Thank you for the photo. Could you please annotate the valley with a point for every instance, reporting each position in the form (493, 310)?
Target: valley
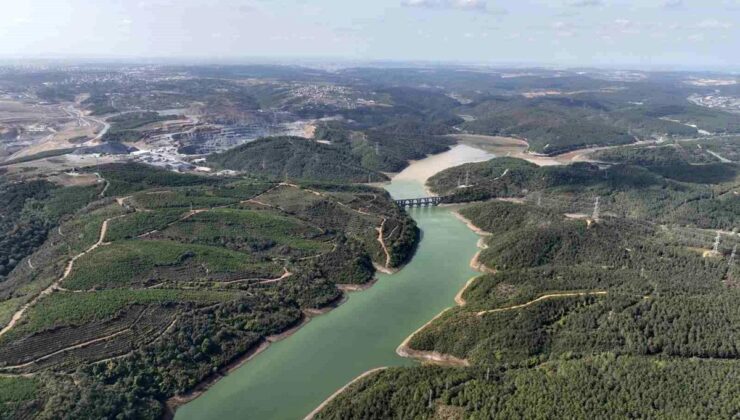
(365, 330)
(607, 294)
(205, 242)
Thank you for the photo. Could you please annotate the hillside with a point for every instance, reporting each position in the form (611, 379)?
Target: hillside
(126, 127)
(550, 126)
(581, 303)
(670, 191)
(600, 387)
(610, 116)
(183, 271)
(295, 158)
(132, 278)
(390, 146)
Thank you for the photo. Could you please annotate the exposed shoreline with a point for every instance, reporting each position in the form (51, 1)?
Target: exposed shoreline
(348, 287)
(505, 146)
(459, 296)
(459, 154)
(519, 148)
(478, 265)
(403, 349)
(326, 402)
(470, 225)
(173, 403)
(384, 270)
(435, 357)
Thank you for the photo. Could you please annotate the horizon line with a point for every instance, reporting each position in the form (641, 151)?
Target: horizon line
(348, 62)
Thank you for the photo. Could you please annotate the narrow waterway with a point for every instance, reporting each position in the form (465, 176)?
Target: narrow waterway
(295, 375)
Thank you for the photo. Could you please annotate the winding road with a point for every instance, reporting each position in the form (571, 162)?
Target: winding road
(540, 299)
(56, 285)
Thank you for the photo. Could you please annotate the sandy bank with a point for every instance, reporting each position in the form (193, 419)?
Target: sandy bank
(518, 148)
(357, 287)
(459, 296)
(470, 225)
(422, 170)
(506, 146)
(384, 270)
(477, 265)
(498, 145)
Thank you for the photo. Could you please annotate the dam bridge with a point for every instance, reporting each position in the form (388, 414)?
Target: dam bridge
(419, 202)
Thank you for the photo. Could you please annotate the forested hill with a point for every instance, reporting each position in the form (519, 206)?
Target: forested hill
(155, 281)
(609, 293)
(646, 182)
(295, 158)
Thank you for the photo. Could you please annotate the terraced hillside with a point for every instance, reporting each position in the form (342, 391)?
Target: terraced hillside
(141, 296)
(609, 291)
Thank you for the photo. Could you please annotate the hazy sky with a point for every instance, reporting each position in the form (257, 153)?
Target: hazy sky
(697, 33)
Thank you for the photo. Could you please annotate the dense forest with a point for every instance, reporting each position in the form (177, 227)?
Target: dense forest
(550, 126)
(605, 386)
(390, 147)
(609, 286)
(296, 158)
(579, 115)
(589, 308)
(31, 209)
(199, 271)
(666, 189)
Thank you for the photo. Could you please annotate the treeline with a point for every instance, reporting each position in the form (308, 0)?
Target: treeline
(125, 178)
(698, 196)
(589, 325)
(550, 125)
(286, 158)
(607, 386)
(31, 209)
(389, 146)
(686, 163)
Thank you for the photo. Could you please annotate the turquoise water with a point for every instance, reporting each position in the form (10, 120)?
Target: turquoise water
(293, 376)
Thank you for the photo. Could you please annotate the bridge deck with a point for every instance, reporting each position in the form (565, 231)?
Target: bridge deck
(419, 202)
